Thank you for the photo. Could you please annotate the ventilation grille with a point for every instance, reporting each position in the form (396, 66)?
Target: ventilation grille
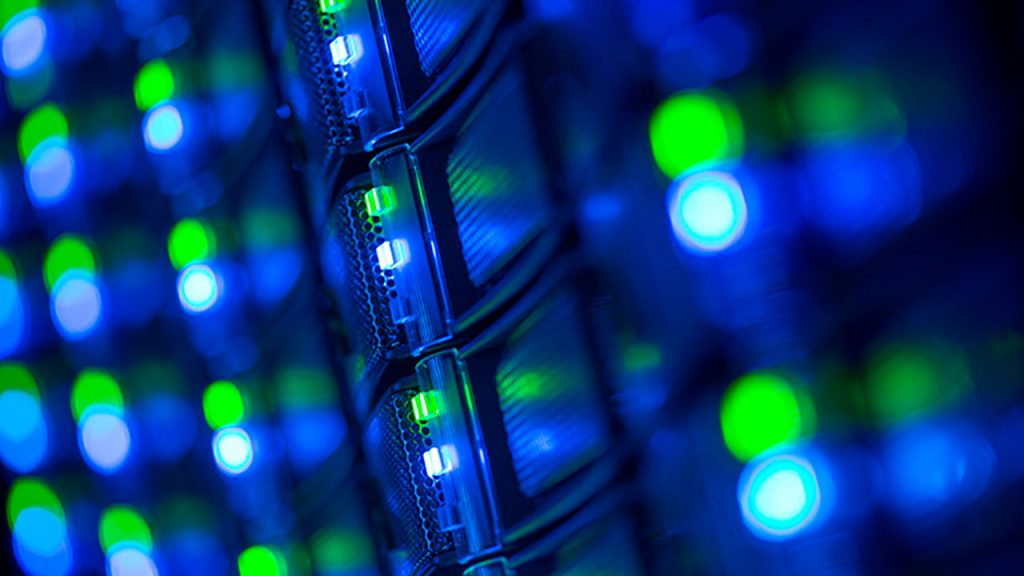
(397, 443)
(438, 26)
(325, 84)
(549, 403)
(369, 289)
(496, 180)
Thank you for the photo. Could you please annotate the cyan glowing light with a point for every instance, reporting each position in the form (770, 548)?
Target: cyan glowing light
(163, 128)
(346, 49)
(392, 254)
(104, 440)
(49, 172)
(23, 435)
(12, 316)
(708, 211)
(232, 449)
(779, 496)
(24, 40)
(41, 542)
(131, 562)
(439, 461)
(198, 288)
(76, 305)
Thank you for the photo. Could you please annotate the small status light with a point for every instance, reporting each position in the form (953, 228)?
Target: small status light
(261, 561)
(131, 562)
(105, 441)
(198, 288)
(163, 128)
(346, 49)
(76, 305)
(392, 254)
(332, 6)
(708, 211)
(232, 449)
(24, 41)
(426, 405)
(379, 200)
(439, 461)
(49, 172)
(779, 496)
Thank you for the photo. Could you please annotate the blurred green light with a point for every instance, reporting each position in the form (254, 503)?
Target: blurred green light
(335, 551)
(332, 6)
(223, 405)
(153, 84)
(44, 122)
(17, 377)
(190, 241)
(11, 8)
(761, 410)
(824, 106)
(95, 388)
(7, 269)
(123, 526)
(691, 130)
(69, 252)
(261, 561)
(904, 380)
(426, 405)
(29, 492)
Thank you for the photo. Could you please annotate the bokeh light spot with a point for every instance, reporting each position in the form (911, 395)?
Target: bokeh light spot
(232, 449)
(49, 173)
(23, 43)
(762, 410)
(694, 129)
(708, 211)
(198, 288)
(105, 440)
(190, 240)
(76, 305)
(153, 84)
(779, 496)
(223, 405)
(261, 561)
(163, 128)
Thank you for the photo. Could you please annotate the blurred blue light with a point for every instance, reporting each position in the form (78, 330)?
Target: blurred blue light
(232, 449)
(130, 562)
(163, 128)
(312, 434)
(49, 172)
(105, 441)
(198, 288)
(162, 412)
(41, 543)
(12, 317)
(76, 305)
(24, 40)
(931, 467)
(23, 435)
(779, 496)
(708, 211)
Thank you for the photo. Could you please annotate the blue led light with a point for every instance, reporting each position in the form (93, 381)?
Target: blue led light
(130, 562)
(232, 449)
(198, 288)
(163, 128)
(41, 543)
(49, 172)
(779, 496)
(76, 305)
(12, 317)
(23, 435)
(708, 211)
(24, 41)
(104, 440)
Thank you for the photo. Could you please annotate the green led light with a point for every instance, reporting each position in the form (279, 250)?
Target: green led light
(69, 252)
(153, 84)
(261, 561)
(7, 269)
(17, 377)
(95, 388)
(692, 130)
(223, 405)
(335, 551)
(299, 388)
(122, 525)
(379, 200)
(426, 405)
(904, 380)
(760, 411)
(31, 493)
(41, 124)
(332, 6)
(190, 240)
(11, 8)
